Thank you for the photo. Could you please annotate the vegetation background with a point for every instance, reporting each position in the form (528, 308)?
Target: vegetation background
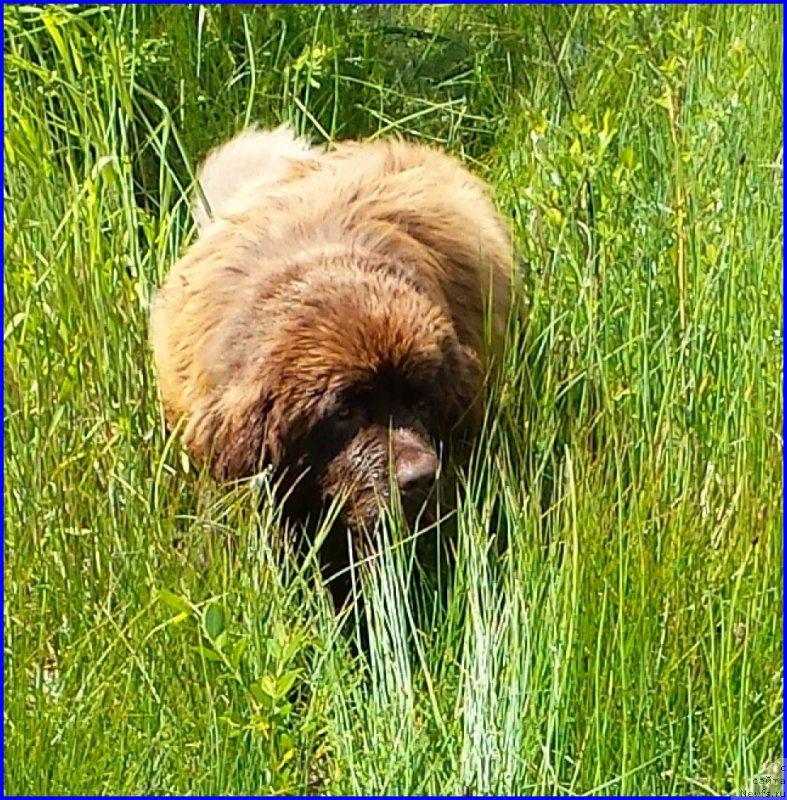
(628, 636)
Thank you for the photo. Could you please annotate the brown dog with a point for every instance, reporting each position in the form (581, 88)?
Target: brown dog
(330, 319)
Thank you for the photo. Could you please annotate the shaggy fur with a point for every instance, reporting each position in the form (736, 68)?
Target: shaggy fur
(330, 319)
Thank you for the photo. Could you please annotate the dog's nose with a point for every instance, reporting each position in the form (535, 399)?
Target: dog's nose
(416, 470)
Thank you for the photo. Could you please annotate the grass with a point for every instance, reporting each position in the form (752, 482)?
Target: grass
(614, 622)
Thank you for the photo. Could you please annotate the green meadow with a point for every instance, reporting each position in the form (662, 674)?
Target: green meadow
(613, 620)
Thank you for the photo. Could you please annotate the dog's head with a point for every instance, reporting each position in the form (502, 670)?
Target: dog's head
(358, 387)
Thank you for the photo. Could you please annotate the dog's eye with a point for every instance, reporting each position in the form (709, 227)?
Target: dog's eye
(344, 413)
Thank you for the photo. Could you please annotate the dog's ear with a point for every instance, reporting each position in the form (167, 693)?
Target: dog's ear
(248, 440)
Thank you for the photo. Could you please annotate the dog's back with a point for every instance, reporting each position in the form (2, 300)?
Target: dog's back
(400, 200)
(253, 157)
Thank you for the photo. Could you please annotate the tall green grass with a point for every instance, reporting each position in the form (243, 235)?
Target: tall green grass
(613, 621)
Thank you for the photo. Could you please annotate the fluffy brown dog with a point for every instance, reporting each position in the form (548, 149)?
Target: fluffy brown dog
(330, 319)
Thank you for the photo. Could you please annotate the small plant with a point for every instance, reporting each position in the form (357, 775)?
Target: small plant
(258, 693)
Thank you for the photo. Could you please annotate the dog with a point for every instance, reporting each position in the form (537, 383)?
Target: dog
(335, 320)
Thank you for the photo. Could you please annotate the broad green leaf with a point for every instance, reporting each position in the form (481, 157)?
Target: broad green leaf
(213, 620)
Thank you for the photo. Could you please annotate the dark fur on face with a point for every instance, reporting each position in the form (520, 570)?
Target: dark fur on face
(330, 320)
(353, 396)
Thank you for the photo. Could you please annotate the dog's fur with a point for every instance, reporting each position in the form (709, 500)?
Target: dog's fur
(331, 315)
